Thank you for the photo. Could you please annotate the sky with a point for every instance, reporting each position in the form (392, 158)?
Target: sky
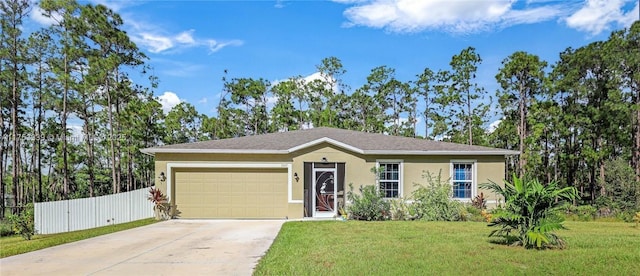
(191, 43)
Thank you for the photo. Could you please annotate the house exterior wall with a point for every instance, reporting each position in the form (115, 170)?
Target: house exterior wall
(357, 169)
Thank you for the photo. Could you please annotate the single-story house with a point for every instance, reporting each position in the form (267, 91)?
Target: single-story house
(306, 173)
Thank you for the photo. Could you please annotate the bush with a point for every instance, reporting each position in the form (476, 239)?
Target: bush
(368, 205)
(161, 206)
(401, 209)
(6, 229)
(23, 223)
(585, 212)
(530, 212)
(471, 213)
(433, 202)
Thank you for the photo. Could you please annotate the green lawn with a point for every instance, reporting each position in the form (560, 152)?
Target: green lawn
(14, 245)
(445, 248)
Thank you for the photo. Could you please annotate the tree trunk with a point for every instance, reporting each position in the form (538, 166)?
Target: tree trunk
(2, 154)
(38, 130)
(2, 147)
(15, 164)
(114, 179)
(469, 123)
(88, 138)
(522, 129)
(636, 152)
(63, 123)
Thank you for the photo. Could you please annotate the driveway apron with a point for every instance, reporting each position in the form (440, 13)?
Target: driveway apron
(175, 247)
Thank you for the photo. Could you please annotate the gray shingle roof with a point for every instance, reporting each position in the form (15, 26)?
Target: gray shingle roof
(361, 142)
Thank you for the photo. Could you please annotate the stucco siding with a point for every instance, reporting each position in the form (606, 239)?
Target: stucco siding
(357, 172)
(357, 169)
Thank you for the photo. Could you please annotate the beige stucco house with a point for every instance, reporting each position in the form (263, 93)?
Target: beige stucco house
(306, 173)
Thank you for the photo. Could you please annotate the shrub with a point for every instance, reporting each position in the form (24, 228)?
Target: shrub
(433, 202)
(23, 223)
(368, 205)
(472, 213)
(586, 212)
(479, 202)
(6, 228)
(401, 209)
(530, 211)
(161, 205)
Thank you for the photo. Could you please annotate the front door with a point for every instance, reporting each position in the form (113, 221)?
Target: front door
(324, 193)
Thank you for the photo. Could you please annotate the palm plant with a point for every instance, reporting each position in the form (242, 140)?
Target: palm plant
(530, 212)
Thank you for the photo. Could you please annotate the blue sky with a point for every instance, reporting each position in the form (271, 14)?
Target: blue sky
(191, 43)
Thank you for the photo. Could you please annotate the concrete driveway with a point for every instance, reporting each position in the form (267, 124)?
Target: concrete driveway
(175, 247)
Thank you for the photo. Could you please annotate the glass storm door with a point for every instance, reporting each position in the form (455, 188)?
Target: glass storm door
(324, 190)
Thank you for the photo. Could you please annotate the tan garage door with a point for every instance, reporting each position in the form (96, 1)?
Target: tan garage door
(231, 193)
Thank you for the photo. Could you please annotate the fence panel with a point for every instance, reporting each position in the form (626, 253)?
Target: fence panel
(84, 213)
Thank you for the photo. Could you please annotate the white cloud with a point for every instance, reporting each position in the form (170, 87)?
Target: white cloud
(77, 133)
(597, 16)
(186, 37)
(413, 16)
(533, 15)
(155, 43)
(215, 46)
(493, 126)
(168, 100)
(631, 16)
(156, 38)
(113, 5)
(279, 4)
(36, 15)
(203, 100)
(471, 16)
(317, 76)
(350, 1)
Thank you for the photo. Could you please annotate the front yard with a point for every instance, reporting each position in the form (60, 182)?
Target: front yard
(435, 248)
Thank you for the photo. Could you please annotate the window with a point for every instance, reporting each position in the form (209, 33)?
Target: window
(389, 179)
(462, 180)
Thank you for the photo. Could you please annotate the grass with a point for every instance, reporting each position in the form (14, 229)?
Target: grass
(15, 245)
(445, 248)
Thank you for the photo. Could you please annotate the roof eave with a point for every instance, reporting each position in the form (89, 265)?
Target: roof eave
(440, 152)
(153, 151)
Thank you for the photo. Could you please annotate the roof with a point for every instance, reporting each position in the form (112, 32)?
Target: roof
(355, 141)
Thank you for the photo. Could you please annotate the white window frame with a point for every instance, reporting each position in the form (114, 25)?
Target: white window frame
(474, 177)
(400, 163)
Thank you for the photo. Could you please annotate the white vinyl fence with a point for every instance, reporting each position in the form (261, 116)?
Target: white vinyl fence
(84, 213)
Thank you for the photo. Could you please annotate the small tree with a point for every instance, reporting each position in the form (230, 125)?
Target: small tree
(530, 211)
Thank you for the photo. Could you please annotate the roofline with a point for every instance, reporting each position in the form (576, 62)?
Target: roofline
(441, 152)
(326, 140)
(153, 151)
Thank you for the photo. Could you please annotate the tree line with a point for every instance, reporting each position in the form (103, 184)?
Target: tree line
(576, 121)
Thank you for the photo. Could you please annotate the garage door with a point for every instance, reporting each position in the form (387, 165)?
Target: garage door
(231, 193)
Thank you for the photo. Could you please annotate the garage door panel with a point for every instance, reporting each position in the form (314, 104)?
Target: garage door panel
(231, 193)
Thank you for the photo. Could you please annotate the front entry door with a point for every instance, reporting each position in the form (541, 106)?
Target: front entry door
(324, 190)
